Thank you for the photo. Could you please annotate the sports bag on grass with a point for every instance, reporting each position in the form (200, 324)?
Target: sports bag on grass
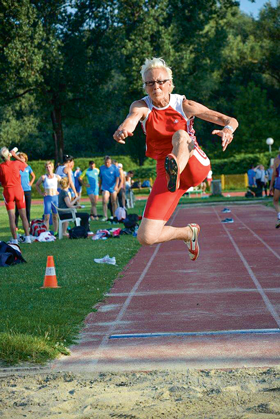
(10, 254)
(78, 232)
(37, 227)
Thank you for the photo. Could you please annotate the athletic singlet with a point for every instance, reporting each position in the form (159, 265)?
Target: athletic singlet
(10, 173)
(161, 123)
(50, 183)
(60, 171)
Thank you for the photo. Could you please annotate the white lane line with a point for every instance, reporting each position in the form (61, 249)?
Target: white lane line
(119, 317)
(190, 291)
(265, 298)
(258, 237)
(190, 334)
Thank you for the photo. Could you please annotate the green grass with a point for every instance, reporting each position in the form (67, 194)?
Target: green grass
(38, 324)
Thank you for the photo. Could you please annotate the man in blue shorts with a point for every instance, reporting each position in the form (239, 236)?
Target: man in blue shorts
(109, 180)
(92, 186)
(251, 176)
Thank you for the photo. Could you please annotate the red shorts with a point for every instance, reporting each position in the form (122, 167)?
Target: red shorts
(161, 203)
(12, 196)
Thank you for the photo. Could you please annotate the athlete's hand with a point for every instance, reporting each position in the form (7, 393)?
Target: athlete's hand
(121, 134)
(227, 137)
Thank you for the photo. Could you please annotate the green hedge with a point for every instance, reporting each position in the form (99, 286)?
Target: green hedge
(240, 163)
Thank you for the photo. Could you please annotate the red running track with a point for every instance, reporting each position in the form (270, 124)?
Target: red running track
(169, 312)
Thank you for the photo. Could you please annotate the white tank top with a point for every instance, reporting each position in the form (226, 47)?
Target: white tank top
(50, 183)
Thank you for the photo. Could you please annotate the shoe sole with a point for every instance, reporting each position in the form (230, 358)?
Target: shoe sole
(172, 173)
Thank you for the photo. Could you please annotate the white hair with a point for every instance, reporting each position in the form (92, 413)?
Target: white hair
(156, 63)
(5, 154)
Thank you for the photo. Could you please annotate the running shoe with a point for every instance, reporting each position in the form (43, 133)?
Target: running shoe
(27, 240)
(228, 221)
(226, 210)
(172, 173)
(193, 243)
(277, 224)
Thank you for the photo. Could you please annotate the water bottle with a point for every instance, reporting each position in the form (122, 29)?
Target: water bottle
(15, 149)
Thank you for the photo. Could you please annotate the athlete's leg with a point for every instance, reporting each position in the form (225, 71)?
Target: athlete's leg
(161, 204)
(20, 202)
(25, 224)
(105, 200)
(177, 160)
(114, 202)
(28, 204)
(48, 209)
(55, 222)
(16, 217)
(155, 231)
(276, 197)
(183, 145)
(121, 198)
(47, 221)
(12, 222)
(93, 201)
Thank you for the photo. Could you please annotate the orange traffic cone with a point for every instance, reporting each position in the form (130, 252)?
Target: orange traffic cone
(50, 280)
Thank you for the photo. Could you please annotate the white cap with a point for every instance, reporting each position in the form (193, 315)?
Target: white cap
(120, 166)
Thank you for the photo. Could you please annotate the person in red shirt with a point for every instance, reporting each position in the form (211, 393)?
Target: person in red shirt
(167, 120)
(13, 193)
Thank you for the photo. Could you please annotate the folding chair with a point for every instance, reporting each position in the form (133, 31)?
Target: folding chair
(74, 218)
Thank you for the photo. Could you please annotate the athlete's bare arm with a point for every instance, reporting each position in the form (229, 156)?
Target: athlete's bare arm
(138, 110)
(198, 110)
(15, 156)
(38, 183)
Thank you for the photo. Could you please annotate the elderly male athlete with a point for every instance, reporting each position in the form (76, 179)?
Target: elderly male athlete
(167, 120)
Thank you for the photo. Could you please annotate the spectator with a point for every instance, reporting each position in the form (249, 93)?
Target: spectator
(92, 187)
(77, 181)
(50, 183)
(64, 202)
(260, 178)
(13, 193)
(66, 170)
(26, 184)
(269, 177)
(122, 186)
(203, 186)
(129, 180)
(251, 176)
(109, 180)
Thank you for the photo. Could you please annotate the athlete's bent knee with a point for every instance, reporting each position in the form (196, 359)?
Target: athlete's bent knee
(181, 137)
(145, 239)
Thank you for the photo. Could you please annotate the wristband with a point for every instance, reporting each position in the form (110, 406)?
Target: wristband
(230, 128)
